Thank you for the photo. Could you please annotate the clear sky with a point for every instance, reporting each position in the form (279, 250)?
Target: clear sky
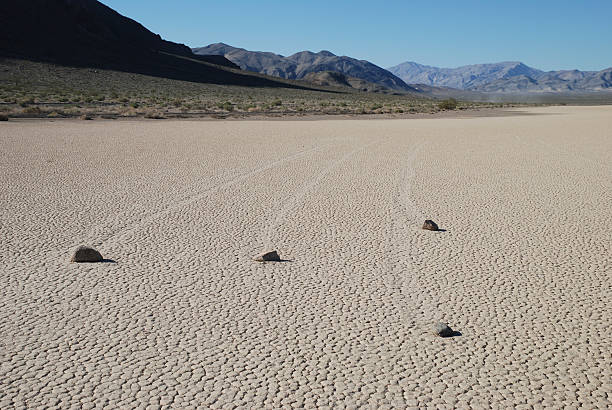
(545, 34)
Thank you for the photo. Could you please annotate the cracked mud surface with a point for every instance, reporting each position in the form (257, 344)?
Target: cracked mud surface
(183, 316)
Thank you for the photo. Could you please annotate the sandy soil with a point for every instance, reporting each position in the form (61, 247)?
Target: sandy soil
(181, 316)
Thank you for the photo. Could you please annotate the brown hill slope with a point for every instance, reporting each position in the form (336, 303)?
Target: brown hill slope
(336, 79)
(301, 64)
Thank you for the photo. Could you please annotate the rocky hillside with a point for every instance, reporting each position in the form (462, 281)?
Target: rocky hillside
(336, 79)
(86, 33)
(504, 77)
(298, 65)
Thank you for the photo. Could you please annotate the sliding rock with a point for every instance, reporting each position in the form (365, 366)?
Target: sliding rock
(430, 225)
(443, 330)
(269, 256)
(86, 254)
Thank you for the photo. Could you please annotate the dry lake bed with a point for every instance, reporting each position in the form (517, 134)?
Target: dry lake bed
(180, 315)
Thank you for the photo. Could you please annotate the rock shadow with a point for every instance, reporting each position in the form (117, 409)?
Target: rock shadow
(454, 334)
(280, 261)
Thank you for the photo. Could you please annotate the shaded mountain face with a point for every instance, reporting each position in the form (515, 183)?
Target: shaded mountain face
(75, 30)
(503, 77)
(301, 64)
(87, 33)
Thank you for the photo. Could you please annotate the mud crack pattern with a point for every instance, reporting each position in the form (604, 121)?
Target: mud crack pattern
(183, 317)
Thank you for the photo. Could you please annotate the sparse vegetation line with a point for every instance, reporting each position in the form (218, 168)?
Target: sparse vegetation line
(41, 90)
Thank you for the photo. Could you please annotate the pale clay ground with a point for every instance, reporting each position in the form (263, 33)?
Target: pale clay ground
(185, 317)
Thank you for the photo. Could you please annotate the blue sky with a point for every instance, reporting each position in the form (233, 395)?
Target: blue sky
(544, 34)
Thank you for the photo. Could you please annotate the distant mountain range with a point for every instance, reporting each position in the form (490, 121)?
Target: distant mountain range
(505, 77)
(299, 65)
(87, 33)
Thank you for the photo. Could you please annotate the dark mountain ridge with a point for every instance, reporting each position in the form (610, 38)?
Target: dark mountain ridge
(86, 33)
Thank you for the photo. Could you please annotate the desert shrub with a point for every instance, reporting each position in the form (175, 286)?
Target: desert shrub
(276, 103)
(154, 115)
(375, 107)
(4, 117)
(227, 106)
(448, 104)
(32, 110)
(26, 101)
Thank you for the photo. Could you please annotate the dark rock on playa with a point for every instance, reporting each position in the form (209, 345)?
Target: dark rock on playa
(443, 330)
(270, 256)
(430, 225)
(86, 254)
